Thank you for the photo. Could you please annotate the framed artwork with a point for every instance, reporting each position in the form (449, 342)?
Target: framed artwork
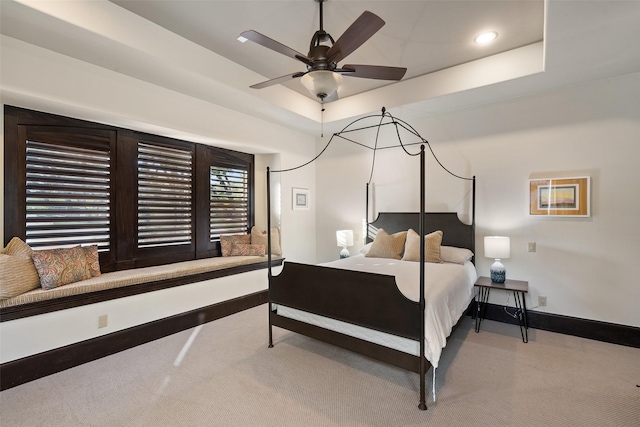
(300, 199)
(560, 196)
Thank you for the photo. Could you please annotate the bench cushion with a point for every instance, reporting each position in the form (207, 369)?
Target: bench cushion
(132, 277)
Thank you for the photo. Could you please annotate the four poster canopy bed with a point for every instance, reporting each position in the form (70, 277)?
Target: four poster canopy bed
(396, 302)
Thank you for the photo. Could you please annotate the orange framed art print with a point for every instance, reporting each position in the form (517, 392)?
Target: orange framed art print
(560, 196)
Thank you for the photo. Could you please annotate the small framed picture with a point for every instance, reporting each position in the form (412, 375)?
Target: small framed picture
(560, 196)
(300, 199)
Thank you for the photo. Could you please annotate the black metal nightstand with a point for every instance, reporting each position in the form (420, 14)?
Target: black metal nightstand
(518, 287)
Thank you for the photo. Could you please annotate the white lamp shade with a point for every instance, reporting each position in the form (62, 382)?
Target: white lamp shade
(497, 247)
(344, 238)
(321, 83)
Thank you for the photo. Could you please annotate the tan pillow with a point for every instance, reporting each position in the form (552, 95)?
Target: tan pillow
(227, 241)
(432, 242)
(17, 272)
(387, 246)
(259, 237)
(16, 247)
(17, 276)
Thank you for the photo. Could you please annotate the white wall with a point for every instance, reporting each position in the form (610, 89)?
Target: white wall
(585, 266)
(42, 80)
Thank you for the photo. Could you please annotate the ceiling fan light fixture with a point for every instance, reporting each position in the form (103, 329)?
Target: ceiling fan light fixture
(321, 83)
(485, 38)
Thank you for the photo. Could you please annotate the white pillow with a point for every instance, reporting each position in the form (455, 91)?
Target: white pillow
(365, 249)
(455, 255)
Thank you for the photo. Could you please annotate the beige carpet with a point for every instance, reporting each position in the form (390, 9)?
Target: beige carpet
(223, 374)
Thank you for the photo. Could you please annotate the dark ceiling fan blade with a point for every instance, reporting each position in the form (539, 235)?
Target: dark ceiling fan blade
(379, 72)
(359, 32)
(269, 43)
(278, 80)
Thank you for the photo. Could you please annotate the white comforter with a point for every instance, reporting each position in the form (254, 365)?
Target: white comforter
(448, 292)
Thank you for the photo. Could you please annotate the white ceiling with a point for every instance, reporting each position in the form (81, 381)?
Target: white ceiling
(422, 36)
(191, 47)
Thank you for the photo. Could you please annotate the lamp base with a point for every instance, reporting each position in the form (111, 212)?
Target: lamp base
(344, 253)
(498, 272)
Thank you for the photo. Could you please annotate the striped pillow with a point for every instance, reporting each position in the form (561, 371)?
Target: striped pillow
(17, 272)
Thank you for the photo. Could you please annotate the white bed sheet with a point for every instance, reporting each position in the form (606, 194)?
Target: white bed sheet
(448, 292)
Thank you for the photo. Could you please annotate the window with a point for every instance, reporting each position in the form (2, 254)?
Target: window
(229, 201)
(143, 199)
(67, 194)
(164, 196)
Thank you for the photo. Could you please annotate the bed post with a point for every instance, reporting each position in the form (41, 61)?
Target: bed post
(269, 253)
(423, 400)
(473, 215)
(366, 216)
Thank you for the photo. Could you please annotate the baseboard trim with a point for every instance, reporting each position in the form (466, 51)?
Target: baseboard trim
(585, 328)
(40, 365)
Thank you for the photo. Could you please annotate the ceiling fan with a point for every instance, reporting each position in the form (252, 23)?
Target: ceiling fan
(323, 76)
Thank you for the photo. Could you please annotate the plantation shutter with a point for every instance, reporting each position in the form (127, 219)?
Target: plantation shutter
(164, 195)
(229, 200)
(67, 191)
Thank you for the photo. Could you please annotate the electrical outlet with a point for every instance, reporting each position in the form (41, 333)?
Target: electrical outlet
(532, 246)
(102, 321)
(542, 300)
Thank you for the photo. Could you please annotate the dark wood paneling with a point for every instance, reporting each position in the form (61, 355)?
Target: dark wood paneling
(41, 307)
(455, 232)
(124, 251)
(374, 351)
(364, 299)
(40, 365)
(126, 191)
(12, 224)
(585, 328)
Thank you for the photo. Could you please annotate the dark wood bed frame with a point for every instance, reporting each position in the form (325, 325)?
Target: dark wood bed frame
(366, 299)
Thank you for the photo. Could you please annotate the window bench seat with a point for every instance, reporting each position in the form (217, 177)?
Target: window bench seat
(124, 283)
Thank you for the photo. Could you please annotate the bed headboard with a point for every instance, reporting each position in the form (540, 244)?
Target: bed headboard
(454, 232)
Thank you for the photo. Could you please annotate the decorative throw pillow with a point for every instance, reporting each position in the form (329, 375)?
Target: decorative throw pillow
(17, 272)
(241, 249)
(16, 247)
(17, 276)
(259, 237)
(227, 241)
(432, 242)
(92, 261)
(57, 267)
(455, 255)
(387, 246)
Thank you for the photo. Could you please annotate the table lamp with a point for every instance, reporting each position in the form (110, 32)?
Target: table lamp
(344, 238)
(497, 247)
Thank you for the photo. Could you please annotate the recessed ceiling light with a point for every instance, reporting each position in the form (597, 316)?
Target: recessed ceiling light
(242, 39)
(486, 37)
